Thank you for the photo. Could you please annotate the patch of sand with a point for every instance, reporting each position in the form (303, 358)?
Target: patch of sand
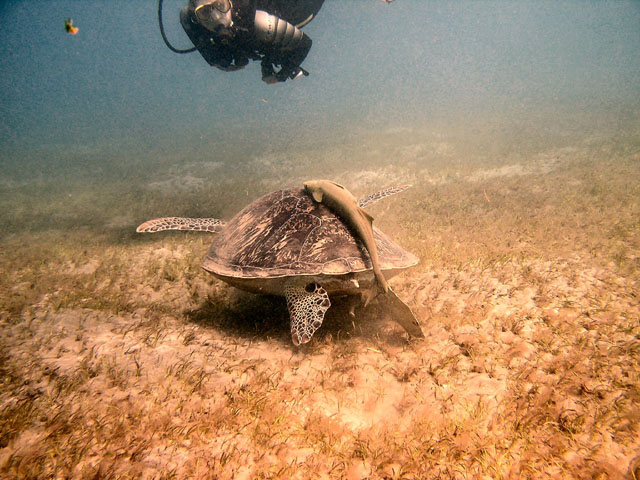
(129, 361)
(184, 391)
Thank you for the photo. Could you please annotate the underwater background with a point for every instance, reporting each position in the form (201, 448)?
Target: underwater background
(113, 109)
(517, 124)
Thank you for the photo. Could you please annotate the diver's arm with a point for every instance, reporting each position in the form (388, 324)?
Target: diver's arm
(284, 43)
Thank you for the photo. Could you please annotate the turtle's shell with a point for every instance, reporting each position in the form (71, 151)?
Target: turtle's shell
(285, 234)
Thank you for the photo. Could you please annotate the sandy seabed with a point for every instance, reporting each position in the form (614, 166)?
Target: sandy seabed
(125, 360)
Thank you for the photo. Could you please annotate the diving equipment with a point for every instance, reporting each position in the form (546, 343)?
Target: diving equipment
(276, 32)
(214, 15)
(164, 35)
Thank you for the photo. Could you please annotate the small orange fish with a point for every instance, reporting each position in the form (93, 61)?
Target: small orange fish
(68, 26)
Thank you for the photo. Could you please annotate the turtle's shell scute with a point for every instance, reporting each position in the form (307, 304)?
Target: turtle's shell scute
(286, 233)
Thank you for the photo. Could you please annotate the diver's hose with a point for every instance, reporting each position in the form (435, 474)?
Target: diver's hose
(164, 37)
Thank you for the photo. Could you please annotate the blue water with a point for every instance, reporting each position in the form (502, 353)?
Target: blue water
(114, 94)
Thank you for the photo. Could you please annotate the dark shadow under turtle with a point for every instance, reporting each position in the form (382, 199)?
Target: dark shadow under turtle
(286, 244)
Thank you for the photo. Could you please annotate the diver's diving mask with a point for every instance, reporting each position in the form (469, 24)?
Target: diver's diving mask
(214, 15)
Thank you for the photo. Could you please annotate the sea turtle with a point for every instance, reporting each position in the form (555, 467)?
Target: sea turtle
(286, 244)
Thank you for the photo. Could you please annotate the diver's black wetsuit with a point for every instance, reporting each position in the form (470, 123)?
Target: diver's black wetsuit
(259, 32)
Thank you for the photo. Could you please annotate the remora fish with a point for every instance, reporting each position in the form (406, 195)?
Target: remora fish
(344, 204)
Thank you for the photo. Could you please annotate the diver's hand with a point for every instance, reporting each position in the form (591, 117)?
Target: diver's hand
(282, 76)
(270, 79)
(275, 78)
(288, 73)
(269, 75)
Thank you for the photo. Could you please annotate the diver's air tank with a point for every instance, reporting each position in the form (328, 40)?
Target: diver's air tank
(276, 32)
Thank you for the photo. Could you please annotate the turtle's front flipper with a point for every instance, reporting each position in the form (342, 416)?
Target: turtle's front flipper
(181, 223)
(374, 197)
(307, 306)
(401, 313)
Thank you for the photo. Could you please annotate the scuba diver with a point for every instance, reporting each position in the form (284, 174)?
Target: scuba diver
(229, 33)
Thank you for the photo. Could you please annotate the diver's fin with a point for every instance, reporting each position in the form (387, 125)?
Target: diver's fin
(401, 313)
(181, 223)
(374, 197)
(307, 306)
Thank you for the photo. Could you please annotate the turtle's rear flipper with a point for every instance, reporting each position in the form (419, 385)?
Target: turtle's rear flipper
(181, 223)
(401, 313)
(307, 306)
